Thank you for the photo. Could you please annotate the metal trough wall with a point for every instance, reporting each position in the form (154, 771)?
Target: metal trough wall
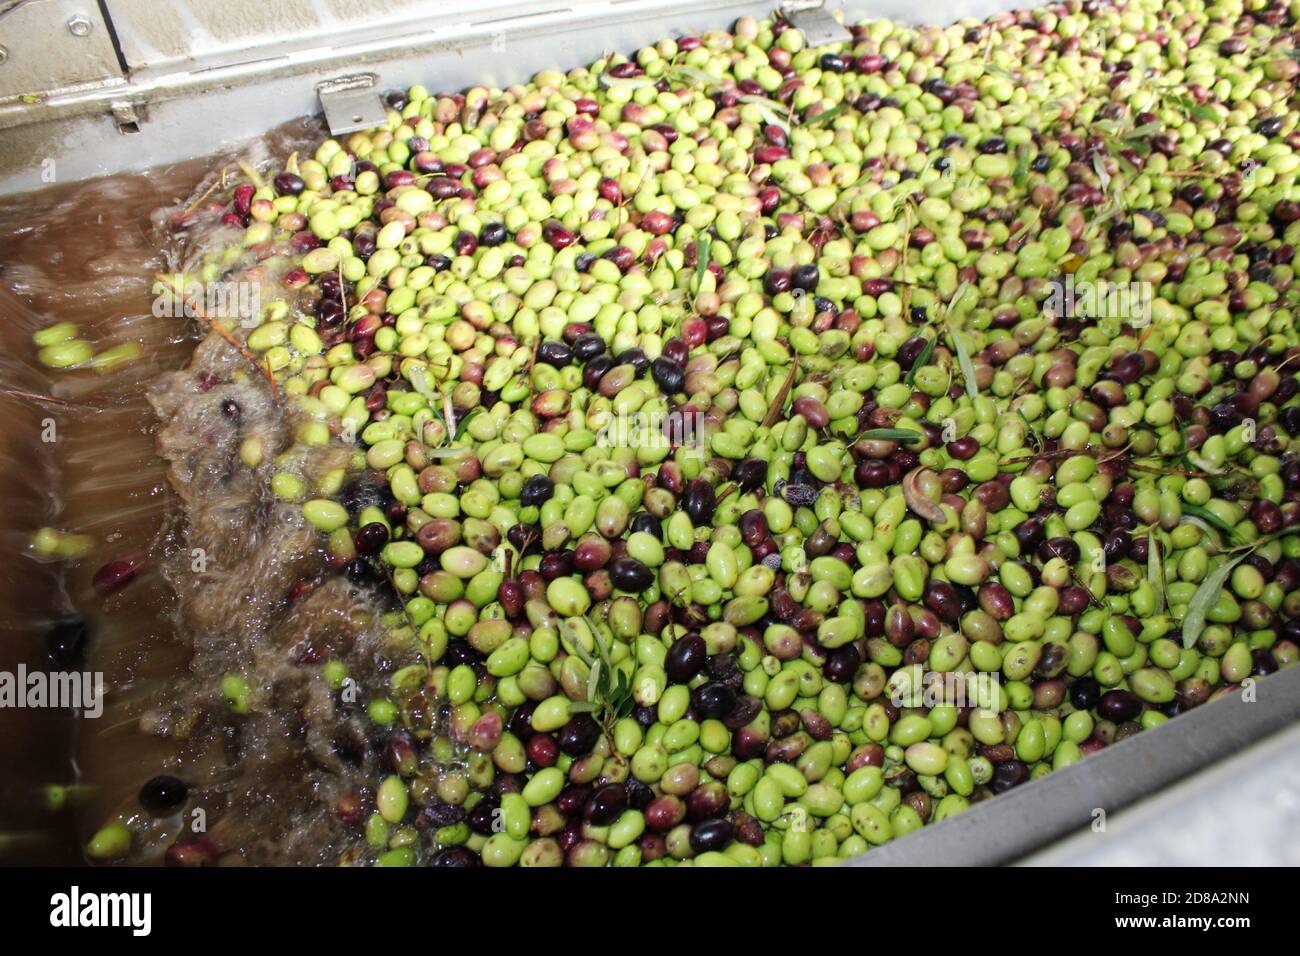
(154, 83)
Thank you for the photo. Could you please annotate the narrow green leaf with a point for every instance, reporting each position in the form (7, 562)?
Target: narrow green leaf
(593, 683)
(921, 359)
(1204, 598)
(1021, 175)
(1156, 571)
(460, 426)
(582, 707)
(703, 245)
(768, 111)
(1213, 520)
(627, 82)
(420, 382)
(963, 360)
(698, 76)
(903, 436)
(821, 119)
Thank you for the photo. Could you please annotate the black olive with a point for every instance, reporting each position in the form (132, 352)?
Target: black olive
(554, 353)
(629, 574)
(749, 474)
(579, 735)
(65, 642)
(595, 370)
(745, 710)
(634, 357)
(842, 664)
(455, 856)
(587, 346)
(805, 277)
(669, 376)
(443, 814)
(537, 491)
(713, 700)
(711, 835)
(163, 794)
(484, 815)
(685, 658)
(606, 804)
(493, 234)
(1010, 774)
(639, 795)
(370, 538)
(1118, 706)
(287, 184)
(1269, 126)
(644, 521)
(699, 501)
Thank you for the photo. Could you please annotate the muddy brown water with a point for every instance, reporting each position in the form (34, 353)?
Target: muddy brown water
(78, 451)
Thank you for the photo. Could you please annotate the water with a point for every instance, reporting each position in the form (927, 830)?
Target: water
(79, 452)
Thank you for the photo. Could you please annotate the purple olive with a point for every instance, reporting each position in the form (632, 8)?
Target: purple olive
(686, 658)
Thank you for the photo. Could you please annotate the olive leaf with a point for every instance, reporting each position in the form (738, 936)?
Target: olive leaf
(703, 245)
(460, 426)
(821, 119)
(1099, 167)
(1205, 597)
(1213, 520)
(420, 382)
(924, 356)
(767, 111)
(1156, 571)
(903, 436)
(963, 360)
(608, 82)
(1021, 174)
(698, 76)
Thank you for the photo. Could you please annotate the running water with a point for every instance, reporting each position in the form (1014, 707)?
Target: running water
(80, 453)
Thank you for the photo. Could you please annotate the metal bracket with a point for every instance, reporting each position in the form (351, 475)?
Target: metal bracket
(351, 103)
(127, 115)
(815, 22)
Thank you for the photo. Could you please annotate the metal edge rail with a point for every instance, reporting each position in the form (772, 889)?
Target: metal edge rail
(1014, 824)
(151, 116)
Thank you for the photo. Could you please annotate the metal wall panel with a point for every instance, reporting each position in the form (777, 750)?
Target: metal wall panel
(48, 45)
(208, 74)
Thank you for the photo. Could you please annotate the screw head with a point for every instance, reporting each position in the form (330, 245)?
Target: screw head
(79, 26)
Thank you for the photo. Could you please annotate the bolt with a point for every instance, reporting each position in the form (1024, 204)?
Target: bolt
(79, 26)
